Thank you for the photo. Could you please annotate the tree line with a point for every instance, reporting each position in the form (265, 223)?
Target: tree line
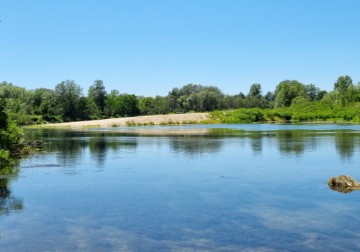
(66, 102)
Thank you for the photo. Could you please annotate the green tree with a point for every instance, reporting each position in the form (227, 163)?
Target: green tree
(44, 104)
(329, 99)
(311, 92)
(286, 91)
(68, 95)
(87, 109)
(3, 115)
(128, 105)
(18, 99)
(254, 99)
(111, 103)
(10, 136)
(121, 104)
(353, 93)
(342, 84)
(231, 102)
(193, 97)
(255, 102)
(161, 105)
(173, 96)
(185, 99)
(321, 94)
(210, 99)
(146, 105)
(255, 90)
(98, 93)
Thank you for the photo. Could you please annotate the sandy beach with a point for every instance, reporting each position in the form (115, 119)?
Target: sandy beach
(138, 120)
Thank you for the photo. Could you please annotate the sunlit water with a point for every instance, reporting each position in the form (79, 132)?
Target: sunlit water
(217, 188)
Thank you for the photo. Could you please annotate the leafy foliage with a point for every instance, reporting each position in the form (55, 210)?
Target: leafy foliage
(342, 85)
(286, 91)
(67, 98)
(121, 105)
(291, 100)
(301, 110)
(98, 94)
(10, 136)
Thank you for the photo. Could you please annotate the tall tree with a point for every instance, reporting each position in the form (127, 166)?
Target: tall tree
(98, 93)
(18, 99)
(121, 104)
(254, 99)
(353, 93)
(68, 95)
(211, 98)
(193, 97)
(44, 103)
(255, 90)
(312, 92)
(342, 84)
(286, 91)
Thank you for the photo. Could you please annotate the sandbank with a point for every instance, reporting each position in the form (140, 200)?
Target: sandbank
(188, 118)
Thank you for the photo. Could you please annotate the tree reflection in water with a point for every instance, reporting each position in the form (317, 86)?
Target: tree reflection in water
(98, 147)
(8, 202)
(256, 143)
(196, 145)
(346, 143)
(296, 142)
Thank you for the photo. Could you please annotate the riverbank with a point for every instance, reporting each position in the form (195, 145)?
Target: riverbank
(190, 118)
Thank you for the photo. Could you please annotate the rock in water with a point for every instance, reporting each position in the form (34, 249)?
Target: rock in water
(344, 184)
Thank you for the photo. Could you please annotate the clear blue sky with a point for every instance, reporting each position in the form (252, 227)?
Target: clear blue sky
(148, 47)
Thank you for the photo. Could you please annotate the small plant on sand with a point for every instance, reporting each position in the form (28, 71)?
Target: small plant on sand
(149, 124)
(130, 123)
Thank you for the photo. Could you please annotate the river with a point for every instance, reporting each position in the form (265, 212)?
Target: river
(251, 187)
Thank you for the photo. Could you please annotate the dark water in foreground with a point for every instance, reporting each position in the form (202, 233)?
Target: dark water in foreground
(220, 188)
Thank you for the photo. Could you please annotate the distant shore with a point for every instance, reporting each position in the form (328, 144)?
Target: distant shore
(189, 118)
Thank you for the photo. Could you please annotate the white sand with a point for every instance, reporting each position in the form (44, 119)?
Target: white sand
(138, 120)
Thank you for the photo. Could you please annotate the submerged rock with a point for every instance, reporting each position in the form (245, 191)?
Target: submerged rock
(35, 144)
(344, 184)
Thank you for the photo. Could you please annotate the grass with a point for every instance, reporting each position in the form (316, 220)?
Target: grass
(163, 123)
(307, 112)
(132, 123)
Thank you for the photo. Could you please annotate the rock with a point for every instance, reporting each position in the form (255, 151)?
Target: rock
(344, 184)
(35, 144)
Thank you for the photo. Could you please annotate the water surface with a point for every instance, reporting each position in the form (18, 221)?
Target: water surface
(258, 187)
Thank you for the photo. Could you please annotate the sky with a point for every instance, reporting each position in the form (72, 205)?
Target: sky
(147, 47)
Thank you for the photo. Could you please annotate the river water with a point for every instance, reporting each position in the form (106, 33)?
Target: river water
(254, 187)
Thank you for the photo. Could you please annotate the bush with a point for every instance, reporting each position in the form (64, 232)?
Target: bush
(300, 111)
(241, 116)
(25, 120)
(10, 138)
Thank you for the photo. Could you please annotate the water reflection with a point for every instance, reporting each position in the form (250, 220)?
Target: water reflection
(8, 202)
(98, 148)
(292, 142)
(256, 144)
(346, 143)
(184, 192)
(196, 145)
(296, 142)
(72, 145)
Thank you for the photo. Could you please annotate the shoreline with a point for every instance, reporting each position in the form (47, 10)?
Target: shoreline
(171, 119)
(163, 120)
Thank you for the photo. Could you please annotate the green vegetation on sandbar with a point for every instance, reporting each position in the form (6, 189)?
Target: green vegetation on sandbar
(305, 112)
(290, 101)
